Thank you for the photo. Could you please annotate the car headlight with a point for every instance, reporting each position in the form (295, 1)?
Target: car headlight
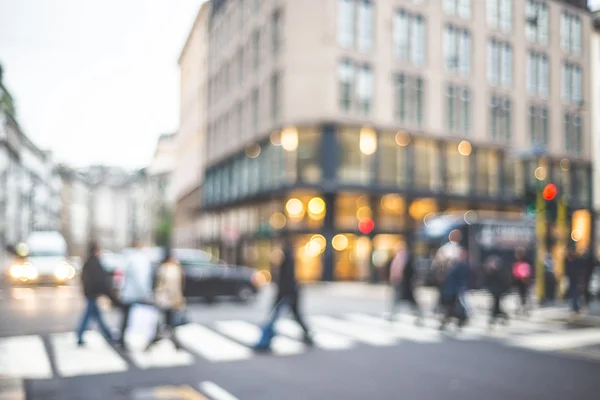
(64, 271)
(16, 271)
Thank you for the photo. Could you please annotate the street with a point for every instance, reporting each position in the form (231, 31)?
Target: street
(357, 353)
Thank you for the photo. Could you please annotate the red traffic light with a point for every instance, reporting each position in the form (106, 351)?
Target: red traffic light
(366, 226)
(549, 192)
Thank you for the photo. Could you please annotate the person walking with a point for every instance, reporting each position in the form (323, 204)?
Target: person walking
(522, 280)
(454, 286)
(288, 296)
(498, 284)
(168, 296)
(574, 272)
(137, 285)
(402, 279)
(96, 283)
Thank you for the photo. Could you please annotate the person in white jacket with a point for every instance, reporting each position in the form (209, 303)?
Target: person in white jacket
(137, 285)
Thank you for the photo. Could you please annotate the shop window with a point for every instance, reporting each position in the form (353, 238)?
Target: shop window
(391, 213)
(309, 260)
(487, 172)
(393, 165)
(582, 185)
(309, 155)
(513, 177)
(355, 165)
(426, 165)
(305, 210)
(348, 208)
(457, 170)
(352, 257)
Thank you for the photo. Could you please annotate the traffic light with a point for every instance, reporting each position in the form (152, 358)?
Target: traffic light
(530, 200)
(366, 226)
(549, 194)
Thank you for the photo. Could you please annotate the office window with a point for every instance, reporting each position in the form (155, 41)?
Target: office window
(572, 84)
(255, 108)
(457, 170)
(275, 96)
(458, 8)
(537, 74)
(458, 110)
(393, 160)
(354, 166)
(346, 84)
(570, 33)
(499, 15)
(426, 164)
(365, 25)
(537, 21)
(364, 89)
(500, 118)
(346, 16)
(409, 37)
(255, 49)
(409, 99)
(276, 32)
(573, 132)
(499, 63)
(457, 47)
(538, 125)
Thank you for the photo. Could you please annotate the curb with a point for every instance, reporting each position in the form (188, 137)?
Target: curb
(11, 389)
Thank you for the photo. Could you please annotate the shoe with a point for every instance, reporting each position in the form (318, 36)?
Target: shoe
(308, 340)
(261, 349)
(80, 343)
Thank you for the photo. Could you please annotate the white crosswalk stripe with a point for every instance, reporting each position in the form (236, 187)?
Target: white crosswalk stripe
(26, 357)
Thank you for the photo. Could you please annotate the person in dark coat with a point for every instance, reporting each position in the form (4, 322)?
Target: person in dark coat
(522, 278)
(454, 285)
(402, 278)
(574, 272)
(498, 284)
(96, 283)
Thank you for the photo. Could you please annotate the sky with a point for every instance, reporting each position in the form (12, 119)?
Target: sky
(95, 81)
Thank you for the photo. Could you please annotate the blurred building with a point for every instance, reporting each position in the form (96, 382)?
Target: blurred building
(189, 169)
(162, 165)
(345, 132)
(75, 210)
(595, 112)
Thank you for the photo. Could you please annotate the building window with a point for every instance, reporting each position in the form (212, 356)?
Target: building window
(487, 172)
(538, 125)
(537, 21)
(255, 100)
(457, 170)
(356, 24)
(572, 84)
(570, 33)
(255, 49)
(393, 159)
(499, 15)
(573, 133)
(409, 99)
(276, 32)
(537, 74)
(499, 63)
(457, 45)
(346, 79)
(409, 37)
(458, 110)
(275, 96)
(346, 16)
(426, 164)
(500, 118)
(309, 155)
(364, 90)
(458, 8)
(355, 165)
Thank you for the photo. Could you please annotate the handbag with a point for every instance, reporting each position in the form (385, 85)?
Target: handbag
(142, 323)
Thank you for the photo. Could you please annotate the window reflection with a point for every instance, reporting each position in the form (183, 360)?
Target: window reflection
(393, 169)
(309, 155)
(347, 206)
(308, 258)
(354, 166)
(391, 213)
(353, 262)
(426, 164)
(487, 172)
(457, 169)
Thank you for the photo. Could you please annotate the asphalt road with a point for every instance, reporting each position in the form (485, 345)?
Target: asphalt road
(449, 367)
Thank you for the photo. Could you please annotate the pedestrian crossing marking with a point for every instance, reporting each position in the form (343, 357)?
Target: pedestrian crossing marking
(360, 333)
(324, 340)
(249, 335)
(95, 357)
(553, 341)
(398, 329)
(24, 357)
(215, 391)
(161, 355)
(211, 345)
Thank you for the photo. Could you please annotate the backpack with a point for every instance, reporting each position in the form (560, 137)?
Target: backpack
(521, 270)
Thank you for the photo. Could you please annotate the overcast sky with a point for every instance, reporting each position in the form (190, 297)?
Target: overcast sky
(96, 81)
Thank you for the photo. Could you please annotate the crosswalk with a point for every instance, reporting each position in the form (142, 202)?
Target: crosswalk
(56, 355)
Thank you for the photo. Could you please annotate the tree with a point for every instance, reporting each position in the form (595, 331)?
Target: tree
(162, 234)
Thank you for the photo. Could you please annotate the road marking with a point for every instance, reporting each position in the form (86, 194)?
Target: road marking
(323, 340)
(211, 345)
(363, 334)
(249, 334)
(216, 392)
(400, 330)
(176, 393)
(24, 357)
(161, 355)
(11, 389)
(567, 339)
(95, 357)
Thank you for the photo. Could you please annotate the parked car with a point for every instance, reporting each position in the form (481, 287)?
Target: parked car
(209, 278)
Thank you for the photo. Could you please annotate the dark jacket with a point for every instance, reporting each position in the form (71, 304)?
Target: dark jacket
(408, 275)
(95, 280)
(287, 284)
(498, 281)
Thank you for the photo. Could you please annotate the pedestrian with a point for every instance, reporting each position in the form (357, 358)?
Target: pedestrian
(549, 279)
(288, 296)
(96, 283)
(454, 287)
(402, 279)
(574, 271)
(522, 273)
(498, 283)
(588, 266)
(137, 285)
(168, 296)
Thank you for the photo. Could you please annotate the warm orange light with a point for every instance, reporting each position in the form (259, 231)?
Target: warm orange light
(368, 141)
(402, 139)
(464, 148)
(316, 206)
(294, 207)
(289, 139)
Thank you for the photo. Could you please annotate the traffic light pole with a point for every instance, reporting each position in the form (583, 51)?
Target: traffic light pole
(562, 228)
(541, 229)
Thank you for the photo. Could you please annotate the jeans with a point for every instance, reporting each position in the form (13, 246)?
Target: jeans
(293, 306)
(574, 297)
(92, 312)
